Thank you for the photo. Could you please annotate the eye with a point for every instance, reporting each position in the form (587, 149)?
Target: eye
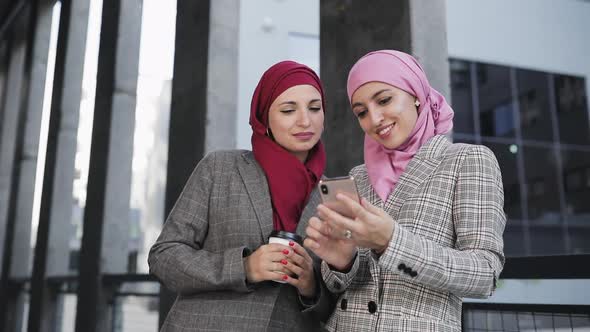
(361, 114)
(287, 111)
(315, 108)
(384, 101)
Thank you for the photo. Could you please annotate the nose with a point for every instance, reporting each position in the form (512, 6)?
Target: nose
(376, 116)
(303, 119)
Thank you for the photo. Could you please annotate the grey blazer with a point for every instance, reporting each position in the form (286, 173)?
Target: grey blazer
(447, 244)
(223, 213)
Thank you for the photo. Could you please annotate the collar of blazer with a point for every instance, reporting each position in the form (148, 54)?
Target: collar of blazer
(418, 170)
(257, 187)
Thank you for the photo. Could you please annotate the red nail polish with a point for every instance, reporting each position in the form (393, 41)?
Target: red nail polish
(285, 277)
(291, 243)
(285, 251)
(284, 261)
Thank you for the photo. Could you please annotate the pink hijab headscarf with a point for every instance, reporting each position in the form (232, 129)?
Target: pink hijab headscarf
(435, 116)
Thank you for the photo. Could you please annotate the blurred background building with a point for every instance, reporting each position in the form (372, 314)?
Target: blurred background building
(107, 105)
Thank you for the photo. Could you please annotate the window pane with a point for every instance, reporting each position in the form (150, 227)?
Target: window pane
(134, 313)
(576, 173)
(495, 101)
(547, 240)
(572, 109)
(506, 155)
(533, 98)
(462, 97)
(66, 312)
(542, 186)
(514, 243)
(576, 177)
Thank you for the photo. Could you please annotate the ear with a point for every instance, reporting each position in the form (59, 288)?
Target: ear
(269, 133)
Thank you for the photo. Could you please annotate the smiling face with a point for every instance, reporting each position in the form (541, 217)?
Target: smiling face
(387, 114)
(296, 119)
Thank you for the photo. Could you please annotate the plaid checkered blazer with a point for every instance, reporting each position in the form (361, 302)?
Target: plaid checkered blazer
(224, 212)
(447, 244)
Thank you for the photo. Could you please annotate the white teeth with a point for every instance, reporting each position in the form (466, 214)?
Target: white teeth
(385, 130)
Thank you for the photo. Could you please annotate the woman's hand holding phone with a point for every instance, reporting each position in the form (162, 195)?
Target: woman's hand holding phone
(327, 241)
(371, 227)
(327, 245)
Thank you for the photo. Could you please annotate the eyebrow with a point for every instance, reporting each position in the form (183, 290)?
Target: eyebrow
(290, 102)
(375, 95)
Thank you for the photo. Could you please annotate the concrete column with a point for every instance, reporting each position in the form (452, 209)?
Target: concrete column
(23, 30)
(428, 20)
(8, 142)
(61, 230)
(9, 132)
(116, 233)
(92, 311)
(348, 30)
(43, 304)
(4, 64)
(222, 75)
(28, 164)
(186, 142)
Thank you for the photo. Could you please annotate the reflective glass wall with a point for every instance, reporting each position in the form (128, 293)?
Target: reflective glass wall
(537, 125)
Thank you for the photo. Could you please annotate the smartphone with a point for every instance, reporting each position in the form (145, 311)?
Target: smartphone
(330, 187)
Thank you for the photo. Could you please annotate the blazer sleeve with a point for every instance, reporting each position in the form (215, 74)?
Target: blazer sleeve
(336, 281)
(177, 258)
(322, 306)
(472, 267)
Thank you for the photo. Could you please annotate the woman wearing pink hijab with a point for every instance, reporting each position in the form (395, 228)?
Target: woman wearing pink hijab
(428, 230)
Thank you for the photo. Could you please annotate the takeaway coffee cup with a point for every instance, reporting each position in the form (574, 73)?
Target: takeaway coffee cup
(282, 237)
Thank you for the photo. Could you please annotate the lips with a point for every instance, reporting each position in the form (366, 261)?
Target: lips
(384, 131)
(304, 135)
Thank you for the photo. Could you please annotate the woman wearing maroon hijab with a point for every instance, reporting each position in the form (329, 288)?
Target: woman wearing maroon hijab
(213, 250)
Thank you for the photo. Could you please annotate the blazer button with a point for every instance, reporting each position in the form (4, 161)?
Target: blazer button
(372, 307)
(413, 274)
(407, 270)
(343, 304)
(401, 267)
(337, 285)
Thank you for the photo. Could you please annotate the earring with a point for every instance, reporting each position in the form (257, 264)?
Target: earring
(417, 103)
(267, 133)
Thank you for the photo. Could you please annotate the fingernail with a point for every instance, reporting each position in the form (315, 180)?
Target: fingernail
(285, 277)
(291, 243)
(284, 261)
(285, 251)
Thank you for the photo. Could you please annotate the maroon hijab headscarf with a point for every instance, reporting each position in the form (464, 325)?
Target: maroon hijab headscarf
(290, 181)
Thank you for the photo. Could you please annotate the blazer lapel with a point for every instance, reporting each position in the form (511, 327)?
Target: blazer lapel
(419, 169)
(258, 192)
